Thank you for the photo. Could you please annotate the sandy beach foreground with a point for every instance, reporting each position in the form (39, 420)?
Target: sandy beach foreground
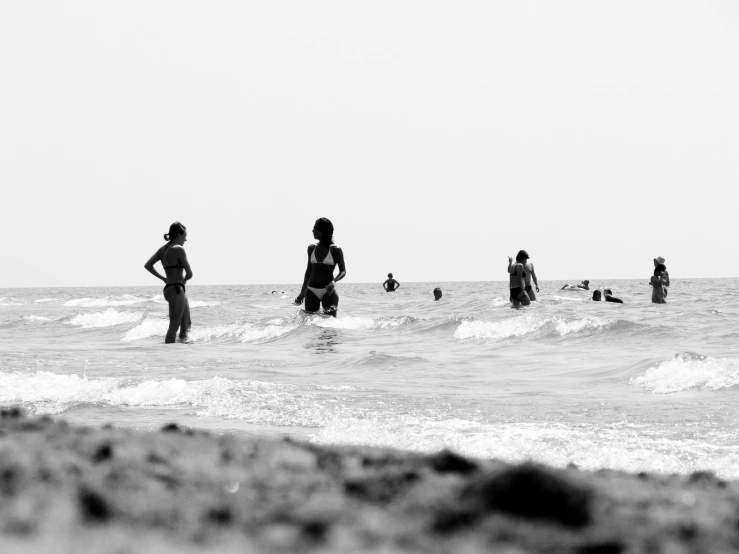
(73, 489)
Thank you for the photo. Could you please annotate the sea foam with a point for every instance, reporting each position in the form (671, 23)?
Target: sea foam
(108, 318)
(244, 332)
(250, 400)
(558, 444)
(358, 323)
(690, 371)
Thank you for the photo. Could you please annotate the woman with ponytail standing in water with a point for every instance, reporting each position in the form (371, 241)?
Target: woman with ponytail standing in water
(174, 261)
(319, 282)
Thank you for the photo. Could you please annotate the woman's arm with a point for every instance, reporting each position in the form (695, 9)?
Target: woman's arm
(149, 265)
(667, 278)
(533, 277)
(300, 297)
(338, 255)
(185, 264)
(397, 285)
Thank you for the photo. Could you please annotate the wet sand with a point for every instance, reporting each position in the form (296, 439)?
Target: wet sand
(66, 488)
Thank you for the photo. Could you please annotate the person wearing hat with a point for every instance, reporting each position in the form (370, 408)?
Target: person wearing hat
(517, 272)
(529, 274)
(666, 276)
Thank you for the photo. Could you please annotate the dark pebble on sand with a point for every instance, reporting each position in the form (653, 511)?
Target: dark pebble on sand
(449, 462)
(93, 506)
(534, 492)
(220, 515)
(103, 452)
(9, 478)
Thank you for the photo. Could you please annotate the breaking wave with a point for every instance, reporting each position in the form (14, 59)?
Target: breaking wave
(688, 371)
(108, 318)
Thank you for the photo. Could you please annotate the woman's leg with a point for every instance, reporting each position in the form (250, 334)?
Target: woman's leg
(312, 304)
(330, 303)
(185, 323)
(176, 301)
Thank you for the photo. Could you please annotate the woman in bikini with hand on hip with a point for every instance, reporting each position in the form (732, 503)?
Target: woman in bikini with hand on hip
(319, 282)
(174, 260)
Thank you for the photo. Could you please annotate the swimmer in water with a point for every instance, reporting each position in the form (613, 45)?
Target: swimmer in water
(658, 284)
(582, 286)
(437, 293)
(610, 298)
(606, 295)
(517, 272)
(319, 282)
(174, 261)
(530, 274)
(390, 285)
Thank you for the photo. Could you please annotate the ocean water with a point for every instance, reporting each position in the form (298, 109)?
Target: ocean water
(636, 386)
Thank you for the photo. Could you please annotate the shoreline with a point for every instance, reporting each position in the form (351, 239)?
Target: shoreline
(66, 488)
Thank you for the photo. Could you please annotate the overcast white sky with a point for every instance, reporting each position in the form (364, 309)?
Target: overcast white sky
(439, 137)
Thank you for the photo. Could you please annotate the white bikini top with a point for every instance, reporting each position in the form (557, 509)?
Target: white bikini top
(328, 260)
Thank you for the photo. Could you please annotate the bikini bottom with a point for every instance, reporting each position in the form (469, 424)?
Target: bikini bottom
(515, 293)
(177, 287)
(320, 293)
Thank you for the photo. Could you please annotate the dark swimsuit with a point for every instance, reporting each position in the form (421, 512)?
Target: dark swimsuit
(177, 286)
(515, 292)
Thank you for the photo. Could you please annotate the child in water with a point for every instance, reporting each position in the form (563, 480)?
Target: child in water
(658, 281)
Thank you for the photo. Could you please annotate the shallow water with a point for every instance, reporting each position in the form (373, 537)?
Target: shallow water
(636, 386)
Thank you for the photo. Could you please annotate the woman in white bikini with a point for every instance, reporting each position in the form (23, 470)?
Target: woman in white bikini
(174, 261)
(319, 282)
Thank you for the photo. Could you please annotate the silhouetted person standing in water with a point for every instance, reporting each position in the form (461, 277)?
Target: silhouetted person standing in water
(319, 282)
(666, 277)
(174, 261)
(658, 281)
(518, 280)
(530, 274)
(391, 285)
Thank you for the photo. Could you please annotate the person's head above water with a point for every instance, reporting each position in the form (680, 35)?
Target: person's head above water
(597, 295)
(659, 260)
(659, 268)
(389, 275)
(323, 231)
(522, 256)
(175, 230)
(437, 293)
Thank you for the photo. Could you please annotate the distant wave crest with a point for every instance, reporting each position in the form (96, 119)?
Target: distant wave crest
(124, 300)
(527, 325)
(108, 318)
